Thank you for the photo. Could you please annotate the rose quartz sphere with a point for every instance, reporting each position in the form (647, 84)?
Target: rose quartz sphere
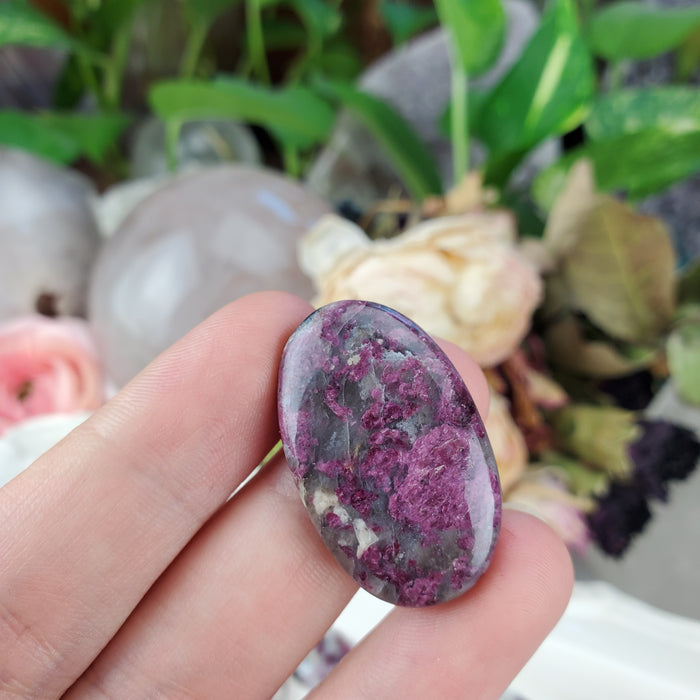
(48, 237)
(204, 240)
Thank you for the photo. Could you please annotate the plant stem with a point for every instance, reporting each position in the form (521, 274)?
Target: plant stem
(256, 40)
(616, 74)
(291, 161)
(172, 139)
(114, 72)
(459, 121)
(90, 80)
(193, 48)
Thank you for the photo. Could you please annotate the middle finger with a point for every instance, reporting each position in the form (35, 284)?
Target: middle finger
(242, 605)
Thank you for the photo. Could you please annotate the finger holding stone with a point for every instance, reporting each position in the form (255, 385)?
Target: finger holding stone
(91, 526)
(473, 646)
(240, 608)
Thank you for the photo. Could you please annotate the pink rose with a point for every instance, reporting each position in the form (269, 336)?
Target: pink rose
(46, 366)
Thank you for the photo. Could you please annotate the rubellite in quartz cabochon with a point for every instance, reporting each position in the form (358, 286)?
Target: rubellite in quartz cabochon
(389, 453)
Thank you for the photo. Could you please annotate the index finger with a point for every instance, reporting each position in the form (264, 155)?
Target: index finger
(93, 523)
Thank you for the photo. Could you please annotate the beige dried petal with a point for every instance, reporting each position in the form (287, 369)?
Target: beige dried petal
(544, 391)
(507, 441)
(460, 278)
(494, 299)
(469, 194)
(572, 206)
(324, 245)
(383, 279)
(538, 254)
(458, 231)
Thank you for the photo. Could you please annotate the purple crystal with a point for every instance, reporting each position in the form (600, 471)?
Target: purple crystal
(389, 452)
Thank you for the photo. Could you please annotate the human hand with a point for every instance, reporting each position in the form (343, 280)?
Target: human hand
(126, 573)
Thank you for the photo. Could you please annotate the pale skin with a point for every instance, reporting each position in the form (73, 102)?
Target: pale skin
(126, 573)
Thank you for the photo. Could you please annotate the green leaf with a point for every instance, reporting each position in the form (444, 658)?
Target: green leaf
(338, 60)
(599, 435)
(283, 34)
(94, 133)
(62, 137)
(405, 21)
(476, 28)
(580, 480)
(110, 15)
(547, 91)
(688, 56)
(207, 11)
(638, 163)
(412, 161)
(641, 141)
(637, 30)
(672, 109)
(69, 87)
(22, 24)
(689, 284)
(320, 18)
(20, 130)
(295, 114)
(683, 350)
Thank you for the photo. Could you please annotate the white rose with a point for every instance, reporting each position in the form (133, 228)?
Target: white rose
(461, 278)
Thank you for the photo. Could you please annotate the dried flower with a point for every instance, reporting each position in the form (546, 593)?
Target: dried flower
(461, 278)
(664, 452)
(619, 515)
(507, 441)
(661, 453)
(531, 393)
(542, 494)
(46, 366)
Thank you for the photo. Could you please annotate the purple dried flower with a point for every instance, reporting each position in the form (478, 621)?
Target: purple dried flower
(633, 391)
(621, 513)
(664, 452)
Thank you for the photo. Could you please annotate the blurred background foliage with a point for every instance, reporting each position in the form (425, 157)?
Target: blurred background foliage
(285, 66)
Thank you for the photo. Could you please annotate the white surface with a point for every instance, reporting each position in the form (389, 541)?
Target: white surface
(20, 446)
(607, 645)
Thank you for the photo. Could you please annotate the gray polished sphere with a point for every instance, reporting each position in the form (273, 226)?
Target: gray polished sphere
(201, 142)
(203, 240)
(48, 236)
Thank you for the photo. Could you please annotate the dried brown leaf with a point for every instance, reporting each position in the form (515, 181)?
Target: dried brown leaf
(620, 271)
(567, 348)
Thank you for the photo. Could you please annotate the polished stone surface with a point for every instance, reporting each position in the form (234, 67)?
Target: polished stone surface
(201, 142)
(201, 241)
(389, 453)
(48, 237)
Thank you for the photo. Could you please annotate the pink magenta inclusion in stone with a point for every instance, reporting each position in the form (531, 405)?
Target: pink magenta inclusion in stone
(389, 452)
